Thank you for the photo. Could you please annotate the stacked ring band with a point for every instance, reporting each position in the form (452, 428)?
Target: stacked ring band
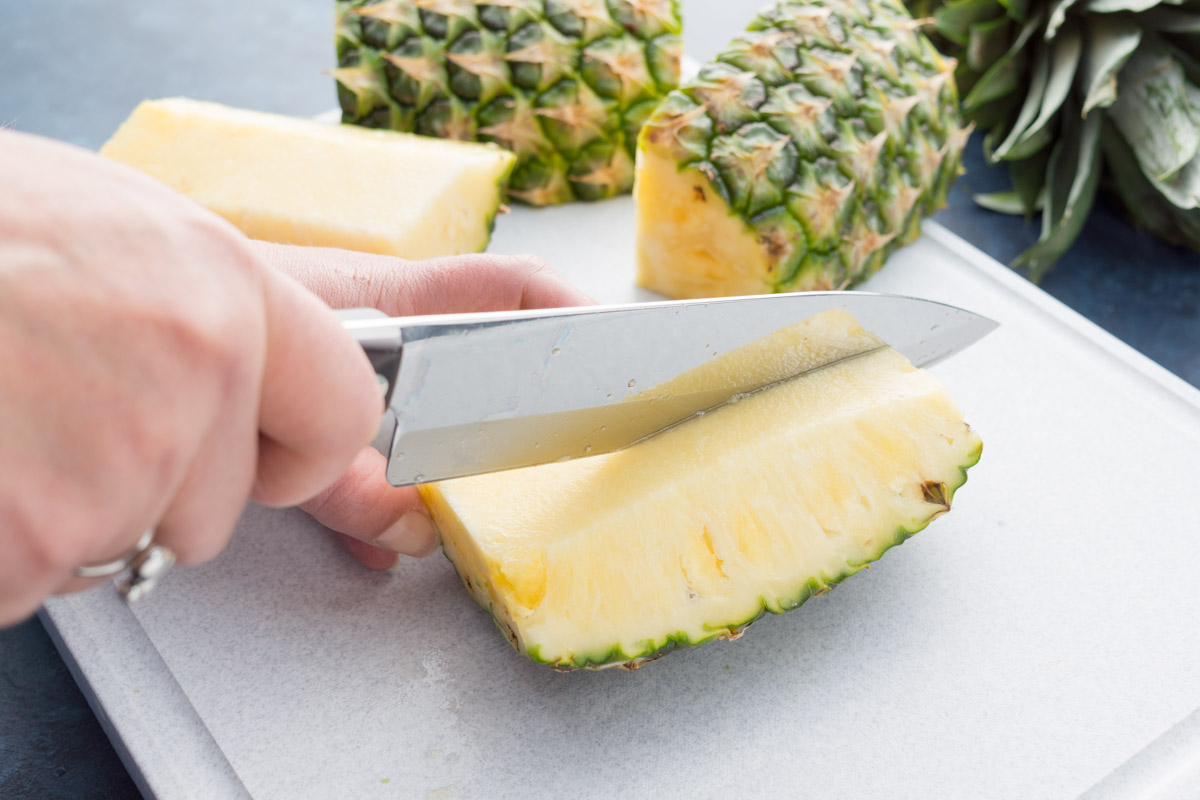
(146, 563)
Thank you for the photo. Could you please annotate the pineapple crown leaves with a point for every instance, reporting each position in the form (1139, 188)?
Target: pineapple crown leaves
(1076, 95)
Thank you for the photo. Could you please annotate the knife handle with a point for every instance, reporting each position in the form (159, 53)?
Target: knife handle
(382, 344)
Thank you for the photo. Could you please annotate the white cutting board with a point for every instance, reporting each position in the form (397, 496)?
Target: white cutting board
(1026, 645)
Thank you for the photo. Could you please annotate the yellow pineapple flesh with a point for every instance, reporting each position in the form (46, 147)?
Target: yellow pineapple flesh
(297, 181)
(692, 534)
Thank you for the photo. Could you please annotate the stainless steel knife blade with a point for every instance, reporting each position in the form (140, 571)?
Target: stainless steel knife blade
(474, 393)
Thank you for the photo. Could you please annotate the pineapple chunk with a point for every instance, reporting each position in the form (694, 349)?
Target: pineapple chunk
(806, 152)
(299, 181)
(693, 534)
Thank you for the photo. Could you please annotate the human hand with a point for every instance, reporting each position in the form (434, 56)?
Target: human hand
(154, 373)
(375, 520)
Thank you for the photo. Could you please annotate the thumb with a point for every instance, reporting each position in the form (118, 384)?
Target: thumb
(379, 519)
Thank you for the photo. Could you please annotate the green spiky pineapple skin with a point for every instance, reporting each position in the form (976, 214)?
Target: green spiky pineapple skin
(776, 95)
(454, 69)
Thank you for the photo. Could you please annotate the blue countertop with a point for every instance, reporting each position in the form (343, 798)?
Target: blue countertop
(73, 69)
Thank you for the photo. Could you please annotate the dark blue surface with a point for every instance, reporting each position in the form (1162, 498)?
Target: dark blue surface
(1141, 290)
(73, 69)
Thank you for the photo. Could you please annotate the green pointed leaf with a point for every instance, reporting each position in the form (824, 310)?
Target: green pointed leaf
(996, 114)
(1009, 202)
(1068, 48)
(1153, 113)
(1034, 142)
(1073, 179)
(1058, 15)
(987, 42)
(955, 18)
(1029, 109)
(989, 143)
(921, 9)
(1113, 6)
(1005, 76)
(965, 78)
(1143, 203)
(1059, 63)
(1111, 40)
(1182, 189)
(1017, 9)
(1029, 178)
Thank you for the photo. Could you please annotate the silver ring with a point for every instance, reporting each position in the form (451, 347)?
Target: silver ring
(145, 571)
(113, 567)
(147, 563)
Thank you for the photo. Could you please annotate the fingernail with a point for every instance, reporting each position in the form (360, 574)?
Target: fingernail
(413, 535)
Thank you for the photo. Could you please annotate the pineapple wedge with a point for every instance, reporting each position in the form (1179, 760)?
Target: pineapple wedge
(693, 534)
(299, 181)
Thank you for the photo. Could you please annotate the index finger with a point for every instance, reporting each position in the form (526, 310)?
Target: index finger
(454, 284)
(319, 401)
(361, 504)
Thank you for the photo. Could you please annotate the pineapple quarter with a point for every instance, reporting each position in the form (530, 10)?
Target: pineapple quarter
(801, 157)
(692, 534)
(564, 84)
(296, 181)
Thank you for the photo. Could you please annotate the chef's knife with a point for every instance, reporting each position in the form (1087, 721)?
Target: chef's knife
(474, 393)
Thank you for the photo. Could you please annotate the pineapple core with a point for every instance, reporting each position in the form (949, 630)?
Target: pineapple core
(297, 181)
(694, 533)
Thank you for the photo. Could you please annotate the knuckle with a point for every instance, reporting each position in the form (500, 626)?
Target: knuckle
(534, 264)
(56, 553)
(210, 333)
(61, 543)
(339, 502)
